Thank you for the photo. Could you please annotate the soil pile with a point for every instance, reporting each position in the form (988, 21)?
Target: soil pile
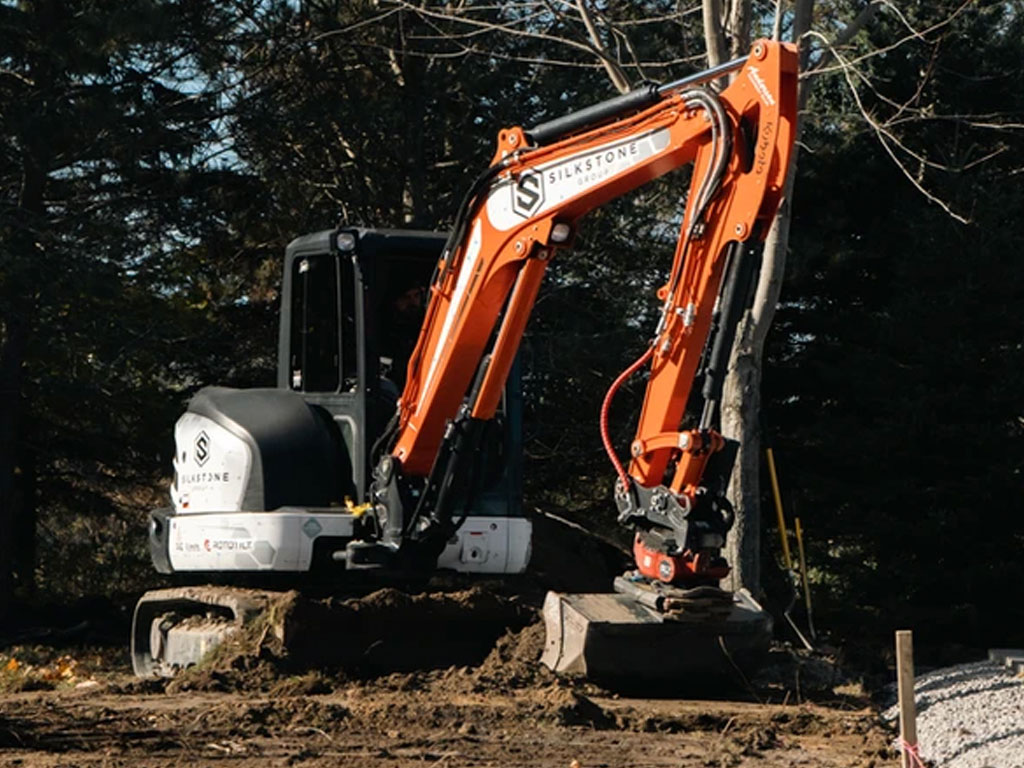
(325, 641)
(514, 662)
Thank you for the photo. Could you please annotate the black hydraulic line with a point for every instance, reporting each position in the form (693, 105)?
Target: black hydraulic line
(455, 237)
(384, 438)
(463, 216)
(711, 183)
(460, 444)
(733, 297)
(461, 438)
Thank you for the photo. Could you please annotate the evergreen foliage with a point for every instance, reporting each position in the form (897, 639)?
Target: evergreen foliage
(157, 155)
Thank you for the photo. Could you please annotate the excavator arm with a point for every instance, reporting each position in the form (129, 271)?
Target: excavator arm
(514, 218)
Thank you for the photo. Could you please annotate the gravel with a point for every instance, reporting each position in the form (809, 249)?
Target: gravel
(969, 716)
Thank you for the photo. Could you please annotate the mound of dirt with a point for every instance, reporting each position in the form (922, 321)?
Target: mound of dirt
(514, 662)
(387, 631)
(390, 630)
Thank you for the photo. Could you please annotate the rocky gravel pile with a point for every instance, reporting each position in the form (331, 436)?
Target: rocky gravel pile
(969, 716)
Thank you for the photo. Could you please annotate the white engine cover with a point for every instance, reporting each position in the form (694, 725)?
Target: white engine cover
(210, 531)
(282, 540)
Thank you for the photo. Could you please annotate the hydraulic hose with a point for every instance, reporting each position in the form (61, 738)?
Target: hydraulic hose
(606, 407)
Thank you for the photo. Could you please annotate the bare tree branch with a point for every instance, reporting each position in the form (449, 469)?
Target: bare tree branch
(352, 27)
(620, 34)
(821, 70)
(614, 71)
(886, 137)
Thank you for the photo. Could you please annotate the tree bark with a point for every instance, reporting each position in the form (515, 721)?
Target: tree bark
(737, 29)
(23, 252)
(27, 517)
(741, 403)
(12, 356)
(714, 31)
(741, 395)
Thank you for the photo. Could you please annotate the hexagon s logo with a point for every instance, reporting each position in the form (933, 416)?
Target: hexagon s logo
(202, 448)
(528, 194)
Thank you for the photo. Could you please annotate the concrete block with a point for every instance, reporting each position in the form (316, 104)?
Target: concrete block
(1009, 657)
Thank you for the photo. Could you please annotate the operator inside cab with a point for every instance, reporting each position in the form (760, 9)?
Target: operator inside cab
(402, 313)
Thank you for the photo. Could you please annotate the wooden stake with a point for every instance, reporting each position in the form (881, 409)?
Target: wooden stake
(803, 575)
(905, 684)
(777, 496)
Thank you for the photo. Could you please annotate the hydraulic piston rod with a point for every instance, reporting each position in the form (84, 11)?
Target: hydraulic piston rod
(699, 78)
(637, 99)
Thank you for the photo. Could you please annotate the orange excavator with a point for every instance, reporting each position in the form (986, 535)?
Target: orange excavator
(515, 217)
(423, 472)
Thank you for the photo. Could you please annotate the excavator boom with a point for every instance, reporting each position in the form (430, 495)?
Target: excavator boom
(534, 199)
(517, 214)
(525, 207)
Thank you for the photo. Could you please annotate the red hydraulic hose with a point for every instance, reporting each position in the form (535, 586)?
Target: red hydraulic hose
(606, 407)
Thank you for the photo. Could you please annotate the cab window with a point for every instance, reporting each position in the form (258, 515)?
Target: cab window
(322, 353)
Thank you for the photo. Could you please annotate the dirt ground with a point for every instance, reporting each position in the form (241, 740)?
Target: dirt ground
(386, 727)
(502, 711)
(446, 678)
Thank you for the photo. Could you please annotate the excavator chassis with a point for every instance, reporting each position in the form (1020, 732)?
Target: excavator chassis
(616, 640)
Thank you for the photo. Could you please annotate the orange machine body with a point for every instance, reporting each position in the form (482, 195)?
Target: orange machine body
(492, 276)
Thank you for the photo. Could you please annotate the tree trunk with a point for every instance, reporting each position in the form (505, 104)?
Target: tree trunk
(727, 34)
(23, 252)
(741, 395)
(741, 403)
(12, 356)
(26, 518)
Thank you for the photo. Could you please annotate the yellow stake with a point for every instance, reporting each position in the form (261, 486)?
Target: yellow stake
(778, 510)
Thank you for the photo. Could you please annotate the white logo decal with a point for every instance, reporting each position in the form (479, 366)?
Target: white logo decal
(547, 186)
(528, 194)
(202, 447)
(759, 86)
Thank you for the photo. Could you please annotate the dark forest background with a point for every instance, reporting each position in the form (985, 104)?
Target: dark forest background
(156, 158)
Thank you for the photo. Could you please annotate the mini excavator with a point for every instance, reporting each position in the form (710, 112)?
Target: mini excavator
(391, 448)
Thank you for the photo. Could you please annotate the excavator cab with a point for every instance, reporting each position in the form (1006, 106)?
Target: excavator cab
(351, 309)
(352, 304)
(271, 485)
